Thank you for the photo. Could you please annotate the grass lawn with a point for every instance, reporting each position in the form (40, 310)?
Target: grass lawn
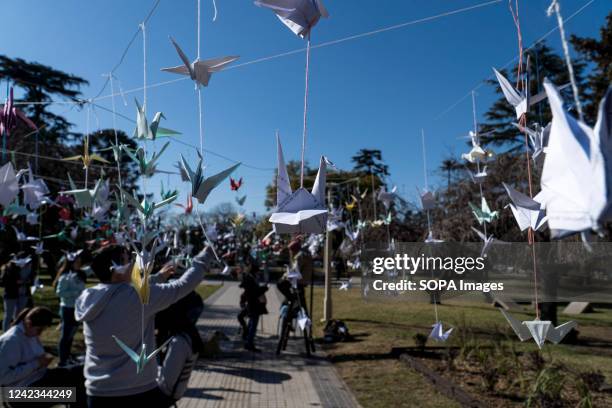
(50, 337)
(381, 381)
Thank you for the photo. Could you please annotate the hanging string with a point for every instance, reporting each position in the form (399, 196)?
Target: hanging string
(556, 8)
(118, 153)
(517, 23)
(200, 119)
(426, 181)
(215, 10)
(523, 83)
(199, 217)
(477, 138)
(307, 71)
(198, 24)
(86, 144)
(144, 66)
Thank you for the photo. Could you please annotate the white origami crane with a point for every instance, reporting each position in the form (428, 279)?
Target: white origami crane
(334, 219)
(352, 235)
(539, 330)
(21, 262)
(528, 212)
(71, 256)
(84, 197)
(39, 248)
(293, 276)
(149, 132)
(303, 320)
(21, 237)
(538, 138)
(9, 185)
(37, 285)
(576, 178)
(479, 176)
(300, 16)
(32, 218)
(521, 100)
(141, 271)
(199, 71)
(346, 285)
(34, 191)
(299, 211)
(200, 186)
(428, 201)
(487, 242)
(438, 333)
(431, 240)
(387, 197)
(476, 154)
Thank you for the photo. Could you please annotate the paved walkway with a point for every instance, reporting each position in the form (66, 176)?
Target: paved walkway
(238, 378)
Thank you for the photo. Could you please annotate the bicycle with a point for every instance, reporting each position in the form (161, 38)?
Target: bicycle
(293, 316)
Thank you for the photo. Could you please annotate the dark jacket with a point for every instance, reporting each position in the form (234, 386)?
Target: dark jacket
(9, 279)
(254, 294)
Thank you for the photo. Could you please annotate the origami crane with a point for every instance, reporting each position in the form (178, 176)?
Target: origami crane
(303, 320)
(538, 138)
(350, 206)
(187, 207)
(36, 286)
(300, 16)
(428, 201)
(9, 184)
(387, 197)
(141, 359)
(199, 71)
(528, 212)
(299, 211)
(539, 330)
(60, 236)
(361, 224)
(431, 240)
(21, 262)
(346, 285)
(479, 176)
(521, 100)
(238, 220)
(484, 213)
(241, 200)
(438, 333)
(150, 132)
(141, 271)
(576, 181)
(235, 185)
(145, 207)
(200, 186)
(487, 242)
(352, 235)
(21, 237)
(34, 191)
(9, 115)
(39, 248)
(71, 256)
(84, 197)
(15, 209)
(146, 166)
(86, 157)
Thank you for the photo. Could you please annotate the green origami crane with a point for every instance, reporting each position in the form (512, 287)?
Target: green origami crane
(200, 186)
(484, 213)
(145, 208)
(146, 166)
(141, 359)
(60, 236)
(150, 132)
(165, 195)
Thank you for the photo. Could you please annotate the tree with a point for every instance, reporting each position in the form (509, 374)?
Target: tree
(543, 63)
(41, 83)
(448, 166)
(598, 53)
(370, 161)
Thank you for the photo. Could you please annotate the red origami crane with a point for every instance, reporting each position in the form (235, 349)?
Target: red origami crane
(9, 115)
(189, 207)
(235, 185)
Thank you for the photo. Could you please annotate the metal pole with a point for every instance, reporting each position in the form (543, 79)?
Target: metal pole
(327, 302)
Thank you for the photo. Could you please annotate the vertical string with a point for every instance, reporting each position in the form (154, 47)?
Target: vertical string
(144, 65)
(425, 176)
(305, 110)
(118, 153)
(523, 123)
(200, 118)
(198, 25)
(556, 8)
(5, 130)
(86, 147)
(477, 138)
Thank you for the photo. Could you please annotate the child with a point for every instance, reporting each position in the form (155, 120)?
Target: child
(179, 322)
(114, 308)
(69, 283)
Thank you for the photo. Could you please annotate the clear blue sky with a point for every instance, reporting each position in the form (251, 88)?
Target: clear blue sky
(374, 92)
